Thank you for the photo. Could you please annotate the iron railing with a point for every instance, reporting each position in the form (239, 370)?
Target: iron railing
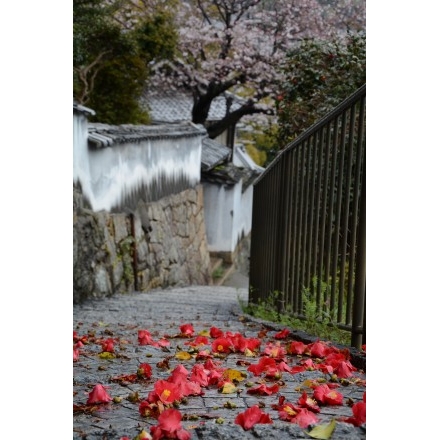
(308, 223)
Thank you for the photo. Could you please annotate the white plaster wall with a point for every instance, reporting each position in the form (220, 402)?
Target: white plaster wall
(81, 169)
(120, 170)
(244, 220)
(109, 175)
(237, 215)
(228, 215)
(219, 204)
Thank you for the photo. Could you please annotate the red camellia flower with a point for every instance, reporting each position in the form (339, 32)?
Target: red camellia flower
(222, 345)
(283, 334)
(98, 395)
(198, 341)
(307, 402)
(75, 355)
(296, 347)
(148, 409)
(282, 366)
(264, 364)
(203, 355)
(359, 410)
(275, 351)
(359, 414)
(144, 371)
(167, 392)
(242, 344)
(215, 371)
(319, 349)
(327, 396)
(238, 341)
(144, 338)
(108, 345)
(294, 414)
(187, 330)
(251, 417)
(179, 377)
(263, 389)
(341, 365)
(200, 375)
(344, 369)
(170, 426)
(252, 344)
(309, 365)
(179, 373)
(83, 339)
(215, 332)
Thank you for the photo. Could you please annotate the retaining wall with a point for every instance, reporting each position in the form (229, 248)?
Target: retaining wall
(159, 244)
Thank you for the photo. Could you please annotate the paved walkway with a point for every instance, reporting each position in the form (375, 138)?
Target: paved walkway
(162, 312)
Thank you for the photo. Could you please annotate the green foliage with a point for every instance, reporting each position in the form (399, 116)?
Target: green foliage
(157, 38)
(117, 88)
(258, 156)
(319, 76)
(125, 250)
(315, 320)
(261, 143)
(218, 273)
(111, 63)
(317, 315)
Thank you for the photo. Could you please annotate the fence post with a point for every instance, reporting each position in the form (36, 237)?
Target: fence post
(358, 323)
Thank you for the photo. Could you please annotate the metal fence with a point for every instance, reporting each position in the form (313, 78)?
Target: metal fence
(308, 223)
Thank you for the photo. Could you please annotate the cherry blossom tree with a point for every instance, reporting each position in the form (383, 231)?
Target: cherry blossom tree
(238, 45)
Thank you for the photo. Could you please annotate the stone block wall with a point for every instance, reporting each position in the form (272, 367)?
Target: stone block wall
(159, 244)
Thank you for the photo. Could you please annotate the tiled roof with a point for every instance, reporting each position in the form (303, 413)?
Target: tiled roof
(81, 109)
(104, 135)
(175, 106)
(229, 174)
(213, 154)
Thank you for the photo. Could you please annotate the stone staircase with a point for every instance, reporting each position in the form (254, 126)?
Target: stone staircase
(220, 270)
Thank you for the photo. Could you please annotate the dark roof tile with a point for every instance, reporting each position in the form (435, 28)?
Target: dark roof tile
(175, 106)
(104, 135)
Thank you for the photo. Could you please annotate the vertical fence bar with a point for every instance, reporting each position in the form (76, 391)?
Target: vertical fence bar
(300, 204)
(282, 239)
(337, 222)
(312, 215)
(291, 255)
(307, 178)
(330, 232)
(346, 215)
(325, 190)
(295, 232)
(357, 332)
(289, 212)
(319, 212)
(305, 192)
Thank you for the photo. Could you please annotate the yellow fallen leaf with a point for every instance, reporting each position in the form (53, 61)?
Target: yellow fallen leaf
(228, 388)
(183, 355)
(107, 355)
(249, 353)
(323, 431)
(204, 333)
(234, 375)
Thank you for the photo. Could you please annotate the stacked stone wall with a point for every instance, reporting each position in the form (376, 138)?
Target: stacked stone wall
(159, 244)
